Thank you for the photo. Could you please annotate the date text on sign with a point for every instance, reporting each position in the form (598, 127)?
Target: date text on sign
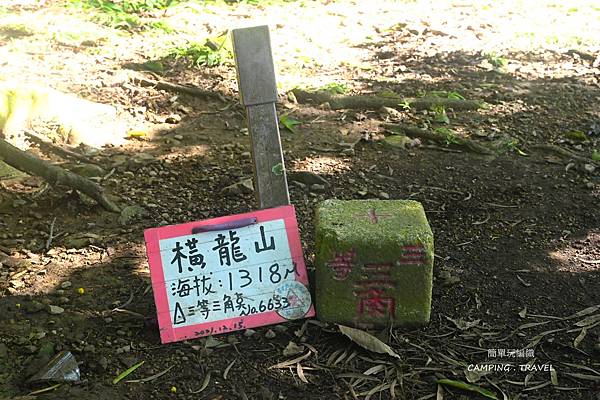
(228, 273)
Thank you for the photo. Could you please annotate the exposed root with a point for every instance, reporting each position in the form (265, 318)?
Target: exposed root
(54, 175)
(376, 102)
(415, 132)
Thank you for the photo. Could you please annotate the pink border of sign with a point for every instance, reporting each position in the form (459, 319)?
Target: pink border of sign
(168, 333)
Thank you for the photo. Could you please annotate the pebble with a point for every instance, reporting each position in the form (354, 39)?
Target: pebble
(280, 328)
(246, 154)
(103, 362)
(383, 195)
(249, 332)
(317, 187)
(63, 300)
(178, 137)
(90, 348)
(124, 349)
(270, 334)
(66, 284)
(589, 168)
(55, 310)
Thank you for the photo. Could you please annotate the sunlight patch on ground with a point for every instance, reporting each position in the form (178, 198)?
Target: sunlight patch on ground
(322, 165)
(577, 257)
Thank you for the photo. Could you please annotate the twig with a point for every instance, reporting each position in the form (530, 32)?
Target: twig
(174, 87)
(51, 234)
(45, 143)
(563, 152)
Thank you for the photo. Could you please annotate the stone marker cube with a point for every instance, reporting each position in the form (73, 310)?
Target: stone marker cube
(374, 263)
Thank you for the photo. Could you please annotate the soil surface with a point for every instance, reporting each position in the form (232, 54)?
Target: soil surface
(517, 232)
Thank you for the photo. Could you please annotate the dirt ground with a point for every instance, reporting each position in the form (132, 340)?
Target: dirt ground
(517, 232)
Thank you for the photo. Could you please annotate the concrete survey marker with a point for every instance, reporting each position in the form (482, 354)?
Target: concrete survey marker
(374, 262)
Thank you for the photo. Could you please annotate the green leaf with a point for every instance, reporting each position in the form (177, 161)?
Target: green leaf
(127, 372)
(442, 117)
(277, 169)
(470, 388)
(596, 155)
(289, 123)
(455, 95)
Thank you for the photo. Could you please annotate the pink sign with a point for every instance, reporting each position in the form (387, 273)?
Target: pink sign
(228, 273)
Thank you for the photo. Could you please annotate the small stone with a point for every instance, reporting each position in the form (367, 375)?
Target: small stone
(66, 285)
(63, 300)
(124, 349)
(317, 188)
(280, 328)
(347, 152)
(270, 334)
(103, 363)
(90, 348)
(249, 332)
(108, 320)
(244, 186)
(246, 154)
(390, 112)
(362, 193)
(121, 332)
(589, 168)
(30, 349)
(383, 195)
(178, 137)
(55, 310)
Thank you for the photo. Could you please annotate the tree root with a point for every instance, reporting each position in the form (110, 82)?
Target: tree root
(563, 153)
(375, 102)
(415, 132)
(52, 174)
(174, 87)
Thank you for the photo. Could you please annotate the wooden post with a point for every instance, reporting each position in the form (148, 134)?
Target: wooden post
(258, 91)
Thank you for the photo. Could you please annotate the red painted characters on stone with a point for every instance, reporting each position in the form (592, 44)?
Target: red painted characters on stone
(373, 301)
(342, 264)
(412, 255)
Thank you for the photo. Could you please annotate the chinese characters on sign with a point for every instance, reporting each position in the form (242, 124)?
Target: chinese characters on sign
(236, 278)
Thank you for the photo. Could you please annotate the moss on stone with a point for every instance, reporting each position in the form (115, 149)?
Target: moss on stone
(377, 231)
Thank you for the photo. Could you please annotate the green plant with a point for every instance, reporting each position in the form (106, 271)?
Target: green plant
(213, 52)
(512, 144)
(440, 114)
(596, 155)
(125, 13)
(334, 88)
(289, 123)
(448, 134)
(496, 60)
(455, 95)
(405, 105)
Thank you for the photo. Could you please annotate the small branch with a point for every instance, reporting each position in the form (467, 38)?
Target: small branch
(46, 144)
(415, 132)
(51, 234)
(562, 152)
(376, 102)
(52, 174)
(174, 87)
